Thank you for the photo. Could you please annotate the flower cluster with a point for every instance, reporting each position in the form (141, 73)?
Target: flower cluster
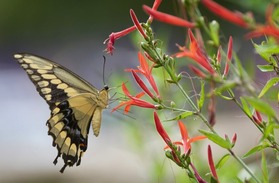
(220, 74)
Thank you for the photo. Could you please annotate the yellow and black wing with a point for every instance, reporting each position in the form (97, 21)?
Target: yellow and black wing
(73, 102)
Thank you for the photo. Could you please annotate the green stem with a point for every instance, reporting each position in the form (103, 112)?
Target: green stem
(195, 108)
(244, 166)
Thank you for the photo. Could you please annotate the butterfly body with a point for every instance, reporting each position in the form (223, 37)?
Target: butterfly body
(74, 104)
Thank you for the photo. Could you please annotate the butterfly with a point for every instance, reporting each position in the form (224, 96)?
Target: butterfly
(74, 104)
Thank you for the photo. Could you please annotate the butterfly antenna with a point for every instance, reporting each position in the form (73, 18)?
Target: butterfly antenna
(104, 65)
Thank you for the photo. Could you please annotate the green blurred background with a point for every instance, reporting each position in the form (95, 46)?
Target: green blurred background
(71, 33)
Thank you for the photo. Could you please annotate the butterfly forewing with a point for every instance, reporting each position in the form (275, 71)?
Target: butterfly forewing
(73, 102)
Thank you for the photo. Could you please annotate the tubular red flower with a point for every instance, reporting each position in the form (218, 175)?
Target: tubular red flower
(155, 6)
(229, 56)
(234, 139)
(222, 12)
(145, 70)
(134, 101)
(211, 163)
(166, 18)
(127, 103)
(160, 129)
(141, 84)
(230, 46)
(116, 35)
(185, 137)
(261, 30)
(257, 117)
(137, 24)
(198, 177)
(195, 53)
(186, 140)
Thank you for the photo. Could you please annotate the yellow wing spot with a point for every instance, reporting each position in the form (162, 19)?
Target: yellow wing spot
(57, 128)
(18, 56)
(73, 150)
(62, 86)
(25, 66)
(27, 60)
(70, 92)
(48, 76)
(56, 81)
(54, 119)
(60, 138)
(45, 90)
(34, 66)
(29, 71)
(66, 145)
(46, 67)
(42, 71)
(36, 78)
(48, 97)
(43, 83)
(55, 111)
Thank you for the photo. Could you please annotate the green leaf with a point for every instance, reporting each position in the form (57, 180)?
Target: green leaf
(222, 161)
(239, 66)
(246, 107)
(269, 130)
(216, 139)
(255, 149)
(264, 168)
(202, 96)
(268, 85)
(266, 68)
(265, 50)
(225, 97)
(261, 106)
(228, 85)
(181, 116)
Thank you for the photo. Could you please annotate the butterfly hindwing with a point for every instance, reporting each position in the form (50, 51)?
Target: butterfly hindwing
(73, 102)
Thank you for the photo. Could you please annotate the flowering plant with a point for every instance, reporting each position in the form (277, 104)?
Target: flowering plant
(221, 76)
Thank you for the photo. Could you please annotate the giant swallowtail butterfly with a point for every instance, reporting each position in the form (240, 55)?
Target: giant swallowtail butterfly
(74, 104)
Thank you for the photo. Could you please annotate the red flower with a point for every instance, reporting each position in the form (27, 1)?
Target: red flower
(137, 24)
(211, 164)
(116, 35)
(270, 29)
(233, 17)
(133, 101)
(262, 30)
(257, 118)
(145, 70)
(229, 56)
(186, 140)
(234, 138)
(160, 129)
(198, 177)
(196, 53)
(166, 18)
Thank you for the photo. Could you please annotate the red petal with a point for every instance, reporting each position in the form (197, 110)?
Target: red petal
(211, 163)
(166, 18)
(224, 13)
(141, 84)
(161, 130)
